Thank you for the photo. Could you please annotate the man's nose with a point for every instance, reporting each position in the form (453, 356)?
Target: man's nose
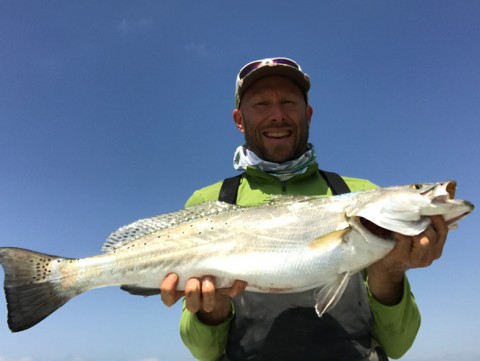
(276, 112)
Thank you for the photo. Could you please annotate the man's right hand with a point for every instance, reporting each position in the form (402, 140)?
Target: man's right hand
(212, 306)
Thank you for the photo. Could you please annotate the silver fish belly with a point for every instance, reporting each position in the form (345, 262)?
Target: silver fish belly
(289, 244)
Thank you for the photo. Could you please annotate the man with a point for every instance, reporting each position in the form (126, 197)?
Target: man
(377, 315)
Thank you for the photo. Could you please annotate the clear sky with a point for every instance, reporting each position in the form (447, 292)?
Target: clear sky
(111, 111)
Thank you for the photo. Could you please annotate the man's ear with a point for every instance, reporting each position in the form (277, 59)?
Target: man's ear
(309, 114)
(238, 119)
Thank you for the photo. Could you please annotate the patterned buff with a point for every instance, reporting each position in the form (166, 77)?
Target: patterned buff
(244, 158)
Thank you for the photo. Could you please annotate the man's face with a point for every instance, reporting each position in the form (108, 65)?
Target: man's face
(275, 119)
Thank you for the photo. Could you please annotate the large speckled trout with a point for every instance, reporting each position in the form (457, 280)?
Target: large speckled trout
(289, 244)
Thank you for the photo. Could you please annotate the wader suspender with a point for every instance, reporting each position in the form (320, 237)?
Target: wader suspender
(228, 192)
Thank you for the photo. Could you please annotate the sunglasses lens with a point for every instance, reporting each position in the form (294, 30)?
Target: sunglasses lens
(283, 61)
(249, 68)
(258, 64)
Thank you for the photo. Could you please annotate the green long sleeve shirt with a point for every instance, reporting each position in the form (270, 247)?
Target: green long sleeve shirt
(394, 327)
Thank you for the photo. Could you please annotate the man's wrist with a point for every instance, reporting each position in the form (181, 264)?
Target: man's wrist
(218, 316)
(386, 286)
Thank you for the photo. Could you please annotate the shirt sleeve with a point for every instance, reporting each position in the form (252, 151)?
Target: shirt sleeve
(206, 343)
(395, 327)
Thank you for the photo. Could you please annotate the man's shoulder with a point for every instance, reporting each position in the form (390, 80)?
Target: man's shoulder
(205, 194)
(359, 184)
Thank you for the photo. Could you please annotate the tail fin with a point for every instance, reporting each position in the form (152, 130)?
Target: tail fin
(32, 290)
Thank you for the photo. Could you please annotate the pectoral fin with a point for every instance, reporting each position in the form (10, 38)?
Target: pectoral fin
(328, 240)
(328, 296)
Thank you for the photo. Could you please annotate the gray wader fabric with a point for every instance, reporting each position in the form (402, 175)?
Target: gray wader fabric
(285, 327)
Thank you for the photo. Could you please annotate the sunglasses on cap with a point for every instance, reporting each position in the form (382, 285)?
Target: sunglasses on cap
(247, 69)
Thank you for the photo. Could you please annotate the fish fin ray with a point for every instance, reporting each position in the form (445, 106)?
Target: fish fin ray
(29, 300)
(140, 291)
(328, 296)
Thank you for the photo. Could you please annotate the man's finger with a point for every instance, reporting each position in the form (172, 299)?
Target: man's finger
(208, 293)
(168, 291)
(441, 229)
(423, 250)
(193, 296)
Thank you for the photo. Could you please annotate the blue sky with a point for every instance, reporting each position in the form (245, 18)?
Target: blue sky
(111, 111)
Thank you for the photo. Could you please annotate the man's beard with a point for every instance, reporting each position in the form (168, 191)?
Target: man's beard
(256, 146)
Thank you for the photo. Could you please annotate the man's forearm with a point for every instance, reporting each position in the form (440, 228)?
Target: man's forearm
(395, 326)
(205, 342)
(386, 285)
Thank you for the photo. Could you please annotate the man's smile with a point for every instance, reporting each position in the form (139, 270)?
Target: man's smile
(278, 134)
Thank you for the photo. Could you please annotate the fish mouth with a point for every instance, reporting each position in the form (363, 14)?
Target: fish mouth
(375, 229)
(451, 223)
(442, 192)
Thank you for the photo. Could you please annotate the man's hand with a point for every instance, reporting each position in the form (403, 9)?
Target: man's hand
(385, 277)
(212, 306)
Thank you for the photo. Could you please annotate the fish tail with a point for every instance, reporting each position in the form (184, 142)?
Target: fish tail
(31, 288)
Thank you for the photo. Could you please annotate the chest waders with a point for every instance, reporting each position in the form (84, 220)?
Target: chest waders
(285, 327)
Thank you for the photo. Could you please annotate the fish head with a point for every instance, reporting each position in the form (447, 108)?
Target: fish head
(443, 202)
(406, 209)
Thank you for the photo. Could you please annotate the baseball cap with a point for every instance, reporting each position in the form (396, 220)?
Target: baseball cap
(266, 67)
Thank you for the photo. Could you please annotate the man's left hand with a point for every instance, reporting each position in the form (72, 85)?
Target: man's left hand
(385, 277)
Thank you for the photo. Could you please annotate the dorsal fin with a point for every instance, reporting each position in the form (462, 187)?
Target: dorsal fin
(146, 226)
